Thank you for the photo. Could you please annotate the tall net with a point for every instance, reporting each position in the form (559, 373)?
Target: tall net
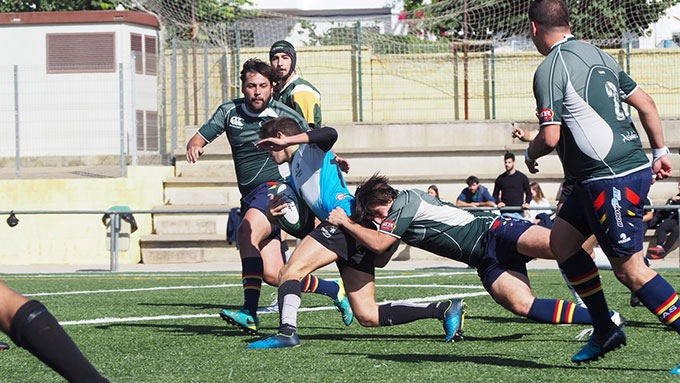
(452, 59)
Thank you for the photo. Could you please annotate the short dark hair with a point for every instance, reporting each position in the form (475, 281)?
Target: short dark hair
(285, 125)
(372, 192)
(509, 155)
(472, 180)
(256, 65)
(549, 13)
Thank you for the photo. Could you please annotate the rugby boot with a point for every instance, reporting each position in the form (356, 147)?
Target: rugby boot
(675, 371)
(341, 304)
(241, 319)
(276, 341)
(598, 345)
(617, 318)
(4, 346)
(453, 320)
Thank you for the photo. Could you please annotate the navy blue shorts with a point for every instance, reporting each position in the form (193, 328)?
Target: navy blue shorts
(258, 198)
(612, 209)
(500, 251)
(349, 251)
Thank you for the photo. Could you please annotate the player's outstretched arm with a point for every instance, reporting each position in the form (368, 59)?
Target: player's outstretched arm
(544, 143)
(651, 122)
(195, 148)
(372, 239)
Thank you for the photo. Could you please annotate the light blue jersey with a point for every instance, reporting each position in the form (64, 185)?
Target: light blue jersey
(316, 176)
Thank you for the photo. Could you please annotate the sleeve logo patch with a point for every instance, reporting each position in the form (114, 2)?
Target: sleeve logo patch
(545, 115)
(387, 225)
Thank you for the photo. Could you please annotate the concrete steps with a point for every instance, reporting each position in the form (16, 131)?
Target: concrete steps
(411, 155)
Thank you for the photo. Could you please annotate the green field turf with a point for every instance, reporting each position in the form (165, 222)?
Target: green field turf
(499, 346)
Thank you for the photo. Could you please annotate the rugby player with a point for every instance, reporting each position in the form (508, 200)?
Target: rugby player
(579, 90)
(297, 93)
(499, 247)
(259, 241)
(317, 177)
(31, 326)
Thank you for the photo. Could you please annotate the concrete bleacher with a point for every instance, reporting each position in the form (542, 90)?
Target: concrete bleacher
(411, 155)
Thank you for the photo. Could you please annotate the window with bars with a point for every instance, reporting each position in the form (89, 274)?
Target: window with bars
(136, 46)
(81, 52)
(150, 54)
(147, 130)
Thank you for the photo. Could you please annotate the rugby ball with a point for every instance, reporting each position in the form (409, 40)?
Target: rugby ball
(298, 219)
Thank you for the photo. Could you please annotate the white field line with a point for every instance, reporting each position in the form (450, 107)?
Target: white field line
(215, 287)
(201, 274)
(174, 317)
(133, 290)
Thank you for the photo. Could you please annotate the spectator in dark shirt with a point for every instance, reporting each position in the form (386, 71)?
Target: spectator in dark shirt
(512, 188)
(475, 195)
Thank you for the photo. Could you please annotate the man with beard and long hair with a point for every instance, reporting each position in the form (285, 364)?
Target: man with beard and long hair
(259, 241)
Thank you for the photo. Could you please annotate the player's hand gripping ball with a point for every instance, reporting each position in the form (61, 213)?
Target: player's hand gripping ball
(298, 219)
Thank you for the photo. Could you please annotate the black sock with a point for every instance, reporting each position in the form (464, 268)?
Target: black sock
(398, 313)
(36, 330)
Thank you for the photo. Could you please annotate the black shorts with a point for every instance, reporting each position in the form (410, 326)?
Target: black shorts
(350, 252)
(500, 252)
(565, 190)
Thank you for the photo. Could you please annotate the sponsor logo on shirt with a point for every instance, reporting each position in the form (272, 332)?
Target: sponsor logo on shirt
(545, 115)
(236, 122)
(629, 136)
(387, 225)
(341, 196)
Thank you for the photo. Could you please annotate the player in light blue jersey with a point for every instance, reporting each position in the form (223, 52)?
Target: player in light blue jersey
(316, 176)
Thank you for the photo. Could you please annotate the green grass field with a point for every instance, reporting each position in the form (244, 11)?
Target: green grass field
(114, 320)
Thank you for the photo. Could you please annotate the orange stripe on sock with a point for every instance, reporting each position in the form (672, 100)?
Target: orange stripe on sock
(666, 305)
(588, 292)
(584, 278)
(315, 284)
(255, 276)
(251, 288)
(306, 283)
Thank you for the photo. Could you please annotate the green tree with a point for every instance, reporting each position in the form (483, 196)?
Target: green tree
(55, 5)
(495, 19)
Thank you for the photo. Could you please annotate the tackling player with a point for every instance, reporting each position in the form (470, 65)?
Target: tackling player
(260, 241)
(498, 247)
(317, 177)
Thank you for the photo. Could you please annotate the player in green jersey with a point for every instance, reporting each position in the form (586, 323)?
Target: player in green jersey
(259, 241)
(579, 91)
(498, 247)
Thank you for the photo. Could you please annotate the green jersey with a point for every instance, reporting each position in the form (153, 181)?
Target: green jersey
(428, 223)
(304, 98)
(581, 88)
(242, 127)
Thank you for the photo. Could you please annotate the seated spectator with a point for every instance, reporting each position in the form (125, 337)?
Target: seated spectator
(475, 195)
(667, 232)
(538, 200)
(433, 190)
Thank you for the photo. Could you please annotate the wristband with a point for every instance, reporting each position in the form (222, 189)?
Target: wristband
(527, 158)
(658, 153)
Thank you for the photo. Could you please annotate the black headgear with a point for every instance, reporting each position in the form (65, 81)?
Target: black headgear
(287, 48)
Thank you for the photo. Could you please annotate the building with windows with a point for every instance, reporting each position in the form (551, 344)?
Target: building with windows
(66, 87)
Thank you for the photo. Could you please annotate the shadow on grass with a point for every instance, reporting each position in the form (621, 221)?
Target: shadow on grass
(179, 329)
(492, 360)
(199, 306)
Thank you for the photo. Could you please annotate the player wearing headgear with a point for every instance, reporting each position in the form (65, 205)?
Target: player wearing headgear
(260, 241)
(317, 177)
(292, 90)
(579, 91)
